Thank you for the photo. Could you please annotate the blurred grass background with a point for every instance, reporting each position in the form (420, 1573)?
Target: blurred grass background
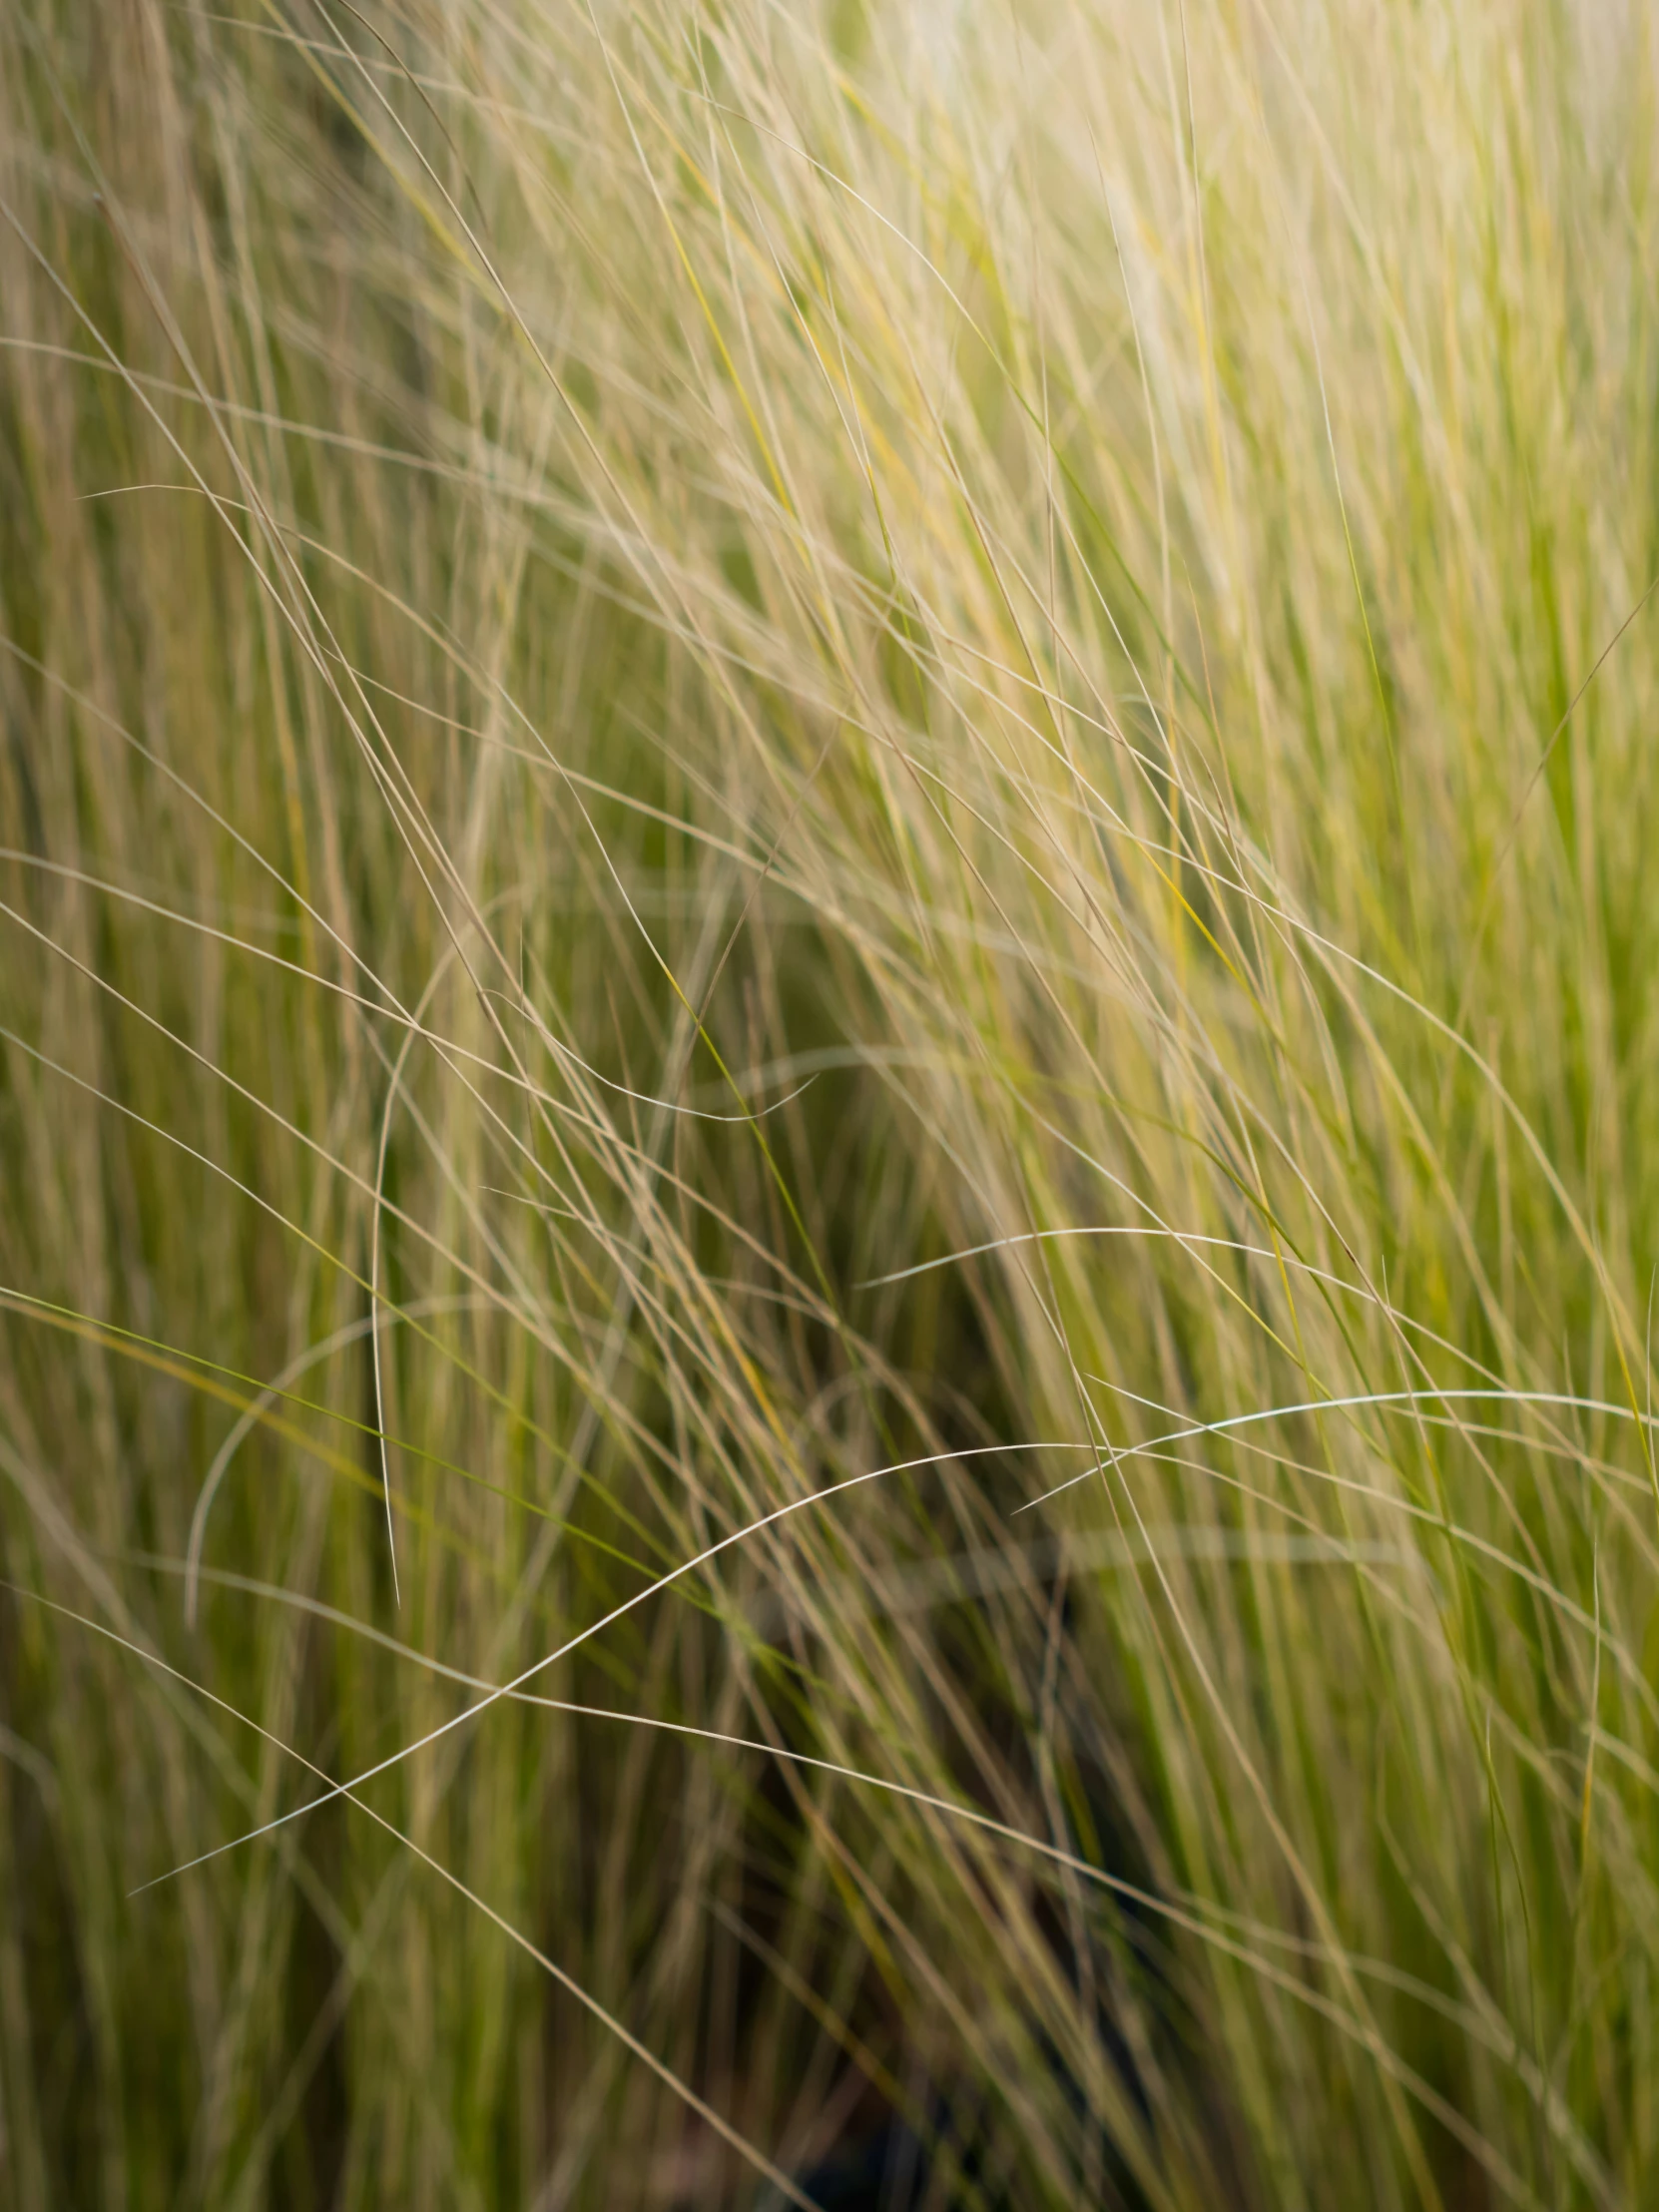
(865, 747)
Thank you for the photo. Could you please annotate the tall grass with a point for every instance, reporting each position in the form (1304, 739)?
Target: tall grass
(827, 1147)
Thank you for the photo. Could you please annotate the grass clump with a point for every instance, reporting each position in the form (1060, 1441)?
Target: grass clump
(827, 1129)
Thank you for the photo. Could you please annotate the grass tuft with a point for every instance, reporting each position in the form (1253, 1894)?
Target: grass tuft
(829, 1056)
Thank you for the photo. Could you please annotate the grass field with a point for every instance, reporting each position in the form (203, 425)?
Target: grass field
(828, 1104)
